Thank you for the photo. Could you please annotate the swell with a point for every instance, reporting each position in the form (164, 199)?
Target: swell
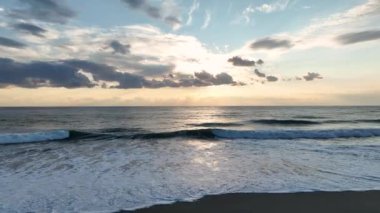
(208, 133)
(310, 122)
(285, 122)
(211, 133)
(216, 124)
(298, 134)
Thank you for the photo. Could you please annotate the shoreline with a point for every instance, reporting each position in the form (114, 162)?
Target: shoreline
(334, 202)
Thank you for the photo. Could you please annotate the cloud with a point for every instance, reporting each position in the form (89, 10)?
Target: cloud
(75, 74)
(271, 43)
(323, 31)
(357, 37)
(135, 3)
(207, 79)
(30, 28)
(260, 74)
(153, 69)
(312, 76)
(173, 21)
(273, 7)
(194, 7)
(40, 74)
(260, 62)
(55, 11)
(156, 12)
(102, 72)
(246, 14)
(119, 47)
(207, 20)
(272, 79)
(238, 61)
(7, 42)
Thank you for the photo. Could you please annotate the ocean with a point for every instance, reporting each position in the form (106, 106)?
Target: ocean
(103, 159)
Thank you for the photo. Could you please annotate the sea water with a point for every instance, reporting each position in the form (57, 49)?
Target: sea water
(111, 158)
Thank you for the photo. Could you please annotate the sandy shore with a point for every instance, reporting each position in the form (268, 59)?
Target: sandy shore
(335, 202)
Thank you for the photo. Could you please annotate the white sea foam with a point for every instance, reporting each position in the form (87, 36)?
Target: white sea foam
(129, 174)
(10, 138)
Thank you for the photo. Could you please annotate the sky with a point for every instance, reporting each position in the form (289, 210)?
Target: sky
(189, 52)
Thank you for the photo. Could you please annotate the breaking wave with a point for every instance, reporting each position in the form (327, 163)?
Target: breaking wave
(11, 138)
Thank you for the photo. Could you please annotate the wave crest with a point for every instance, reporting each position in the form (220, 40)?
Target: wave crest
(194, 133)
(12, 138)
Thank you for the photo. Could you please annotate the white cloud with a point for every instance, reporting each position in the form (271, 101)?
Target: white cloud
(147, 42)
(246, 14)
(207, 20)
(1, 9)
(194, 8)
(322, 32)
(351, 16)
(273, 7)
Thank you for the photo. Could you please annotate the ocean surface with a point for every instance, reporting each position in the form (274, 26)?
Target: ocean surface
(111, 158)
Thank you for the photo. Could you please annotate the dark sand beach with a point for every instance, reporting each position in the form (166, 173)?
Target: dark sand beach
(334, 202)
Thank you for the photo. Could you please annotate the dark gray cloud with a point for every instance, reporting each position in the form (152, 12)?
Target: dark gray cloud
(206, 79)
(145, 6)
(141, 65)
(260, 62)
(172, 20)
(238, 61)
(312, 76)
(271, 43)
(7, 42)
(153, 11)
(103, 72)
(272, 78)
(40, 74)
(352, 38)
(55, 11)
(223, 79)
(30, 28)
(135, 3)
(72, 74)
(119, 47)
(260, 74)
(152, 69)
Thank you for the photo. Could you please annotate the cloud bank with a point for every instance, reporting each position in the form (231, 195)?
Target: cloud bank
(86, 74)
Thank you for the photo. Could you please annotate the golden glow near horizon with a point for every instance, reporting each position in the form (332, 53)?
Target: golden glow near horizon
(298, 93)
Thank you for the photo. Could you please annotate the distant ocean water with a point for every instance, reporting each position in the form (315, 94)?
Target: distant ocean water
(111, 158)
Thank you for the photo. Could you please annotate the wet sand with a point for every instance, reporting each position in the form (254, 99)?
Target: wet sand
(321, 202)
